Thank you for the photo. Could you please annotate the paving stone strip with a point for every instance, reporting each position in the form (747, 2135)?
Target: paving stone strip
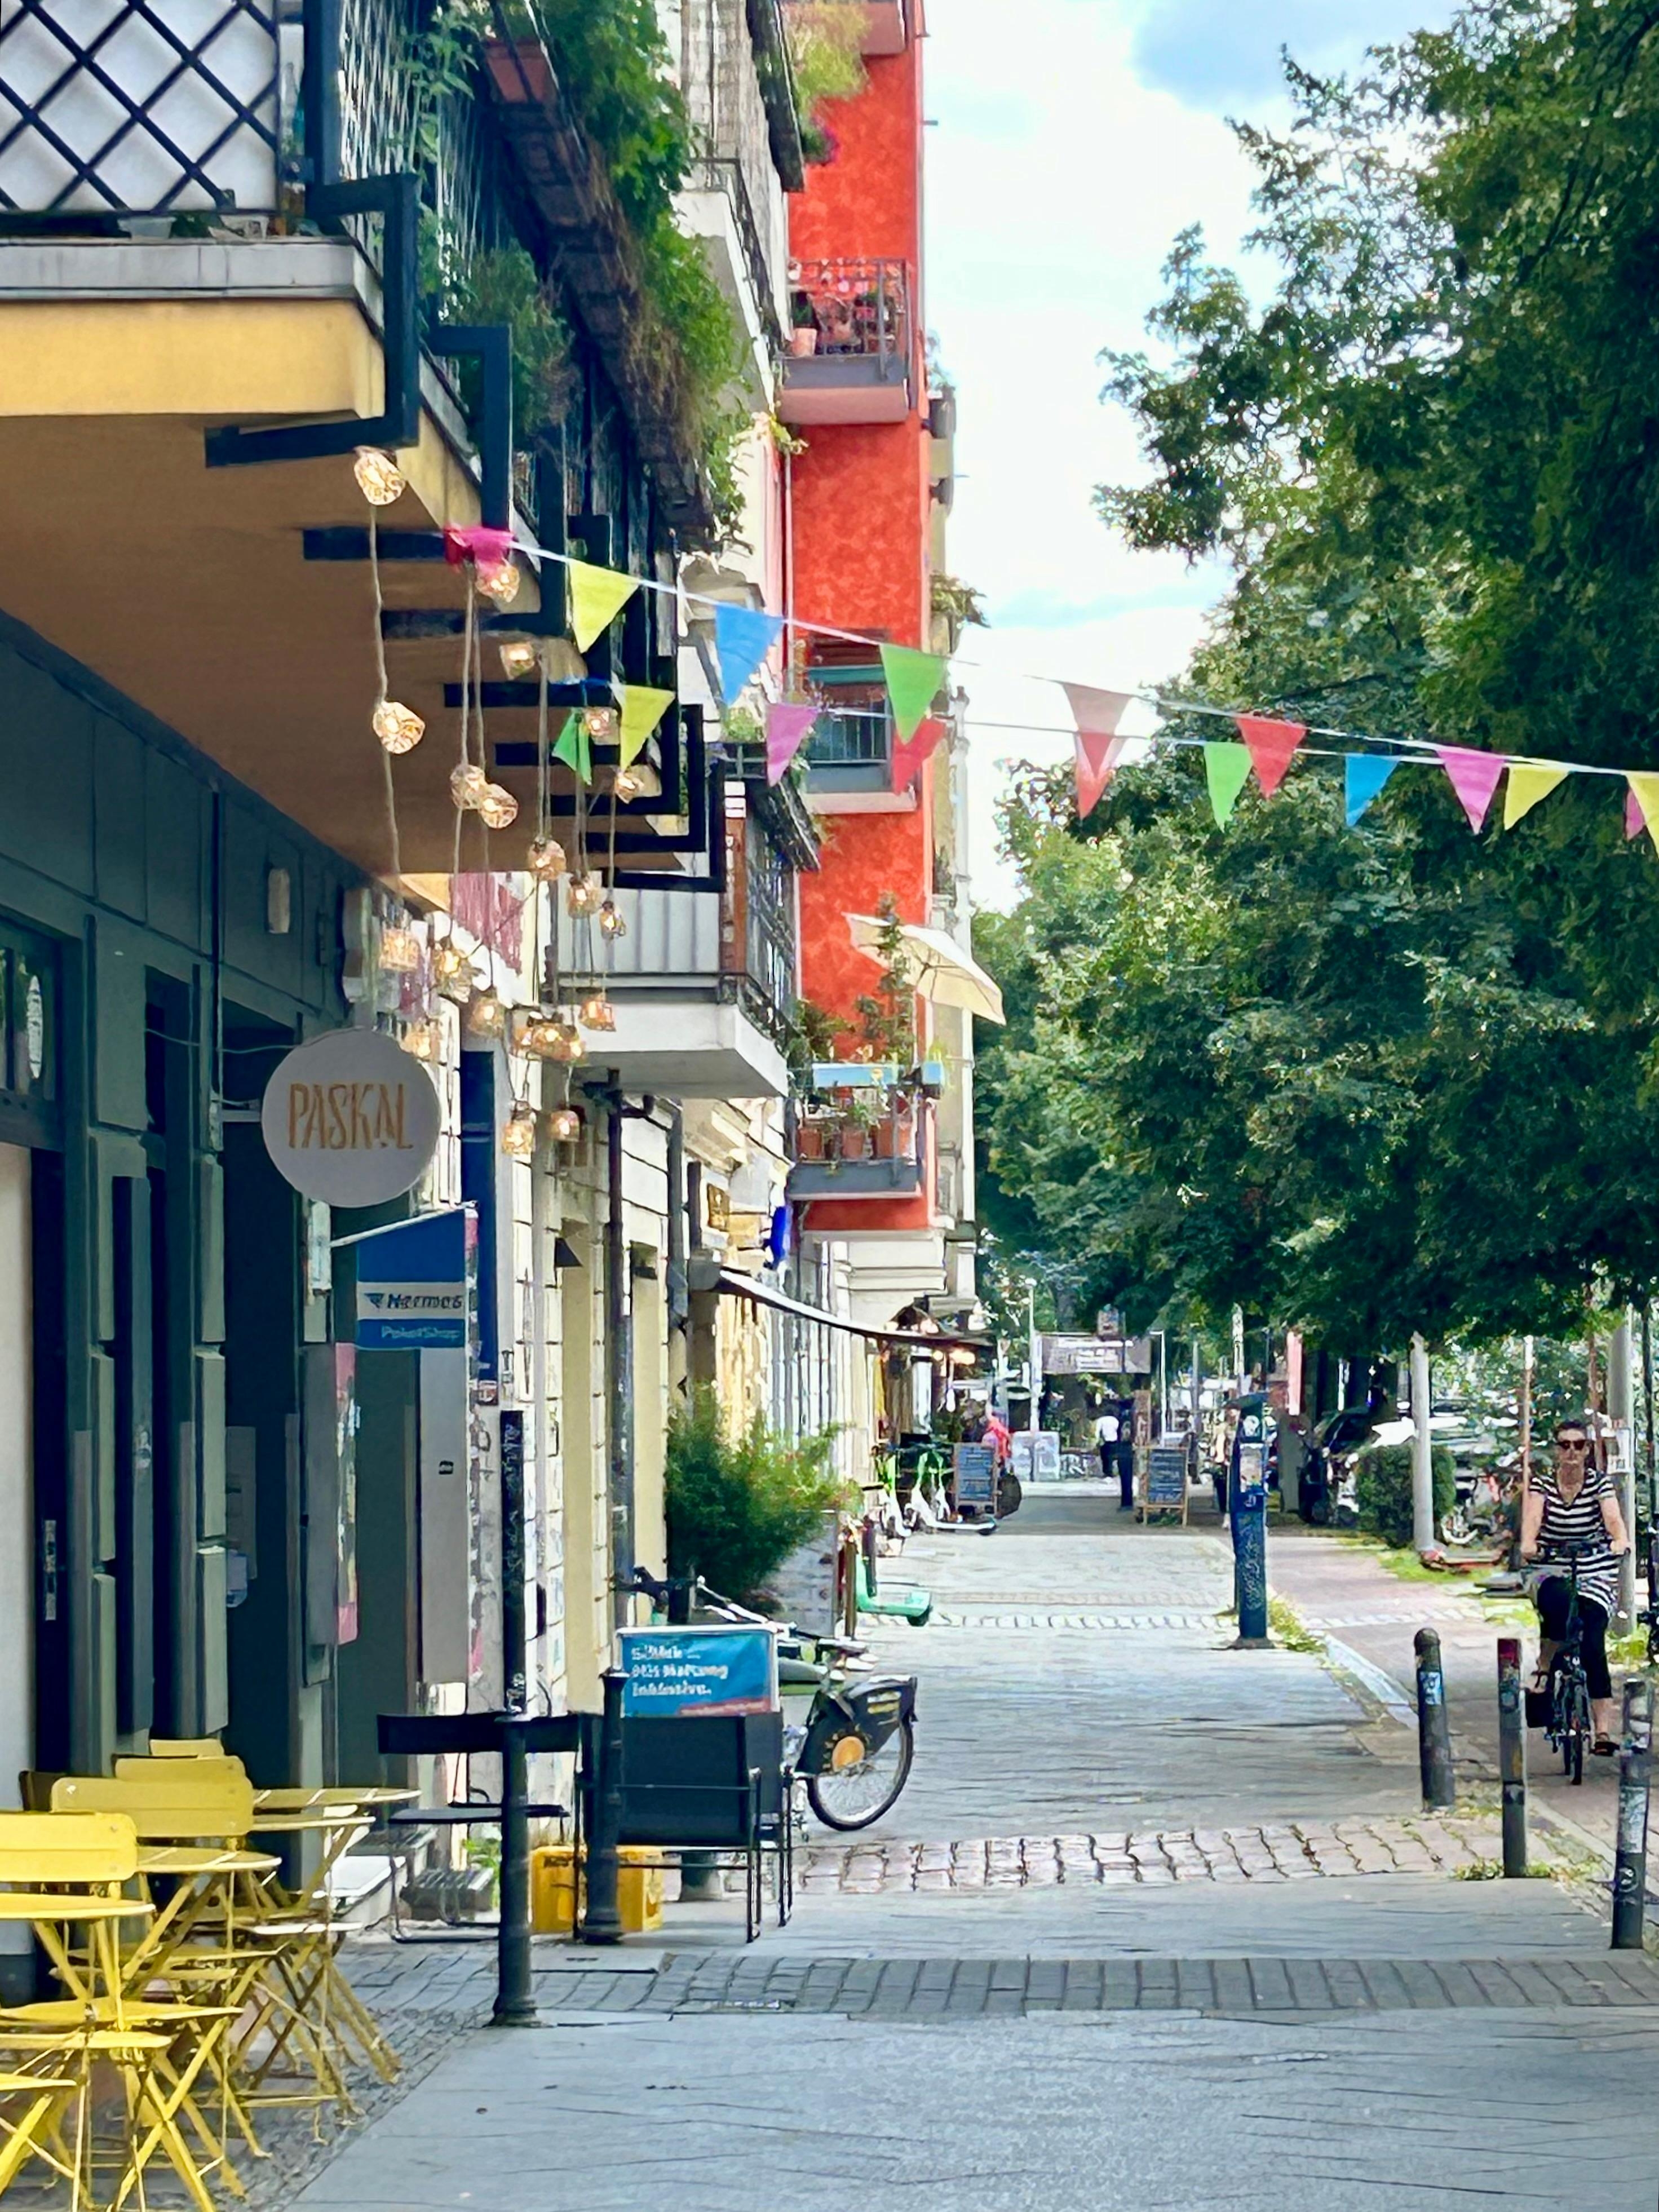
(932, 1989)
(1288, 1853)
(974, 1617)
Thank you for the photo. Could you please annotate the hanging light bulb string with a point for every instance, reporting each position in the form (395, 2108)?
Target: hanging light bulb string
(467, 632)
(380, 671)
(482, 757)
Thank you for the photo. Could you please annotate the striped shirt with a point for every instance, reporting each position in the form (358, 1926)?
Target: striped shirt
(1579, 1522)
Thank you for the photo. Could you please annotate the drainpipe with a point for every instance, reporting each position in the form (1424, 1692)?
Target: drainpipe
(678, 1288)
(618, 1360)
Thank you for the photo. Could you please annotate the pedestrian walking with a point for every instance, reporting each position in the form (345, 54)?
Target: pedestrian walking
(1106, 1428)
(1124, 1453)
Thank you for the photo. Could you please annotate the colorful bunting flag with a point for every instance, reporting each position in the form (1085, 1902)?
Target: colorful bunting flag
(1526, 787)
(1271, 745)
(1227, 767)
(908, 757)
(1644, 790)
(787, 726)
(571, 746)
(743, 638)
(1364, 775)
(1097, 713)
(1634, 824)
(598, 596)
(1097, 756)
(913, 682)
(643, 708)
(1474, 778)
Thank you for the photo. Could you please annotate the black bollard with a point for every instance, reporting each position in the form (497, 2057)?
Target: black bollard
(1433, 1726)
(601, 1919)
(1512, 1757)
(1630, 1866)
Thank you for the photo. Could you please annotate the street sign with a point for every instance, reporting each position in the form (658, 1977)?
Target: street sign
(350, 1118)
(675, 1672)
(1094, 1355)
(412, 1285)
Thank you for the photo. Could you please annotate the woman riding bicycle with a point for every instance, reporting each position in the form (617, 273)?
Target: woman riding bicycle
(1575, 1501)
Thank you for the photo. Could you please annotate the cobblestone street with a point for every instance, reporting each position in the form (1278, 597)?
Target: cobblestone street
(1117, 1828)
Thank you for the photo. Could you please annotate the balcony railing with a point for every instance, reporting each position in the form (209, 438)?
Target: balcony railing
(844, 1149)
(851, 343)
(123, 111)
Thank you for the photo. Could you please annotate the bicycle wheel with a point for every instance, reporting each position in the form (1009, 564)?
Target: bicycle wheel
(854, 1796)
(1574, 1732)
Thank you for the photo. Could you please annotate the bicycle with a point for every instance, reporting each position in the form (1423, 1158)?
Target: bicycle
(1569, 1727)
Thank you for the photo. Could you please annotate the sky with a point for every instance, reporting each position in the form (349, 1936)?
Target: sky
(1073, 139)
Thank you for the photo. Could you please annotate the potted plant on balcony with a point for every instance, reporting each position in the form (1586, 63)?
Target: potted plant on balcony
(803, 336)
(809, 1138)
(854, 1120)
(894, 1129)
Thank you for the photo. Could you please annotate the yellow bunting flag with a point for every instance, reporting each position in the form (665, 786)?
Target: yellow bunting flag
(1644, 790)
(643, 708)
(1526, 787)
(598, 596)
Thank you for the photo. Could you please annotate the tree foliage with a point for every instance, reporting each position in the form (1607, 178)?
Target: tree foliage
(1396, 1078)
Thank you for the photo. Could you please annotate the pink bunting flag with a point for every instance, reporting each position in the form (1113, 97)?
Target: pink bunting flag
(488, 547)
(1634, 822)
(1097, 756)
(1096, 715)
(1474, 777)
(786, 726)
(910, 752)
(1271, 745)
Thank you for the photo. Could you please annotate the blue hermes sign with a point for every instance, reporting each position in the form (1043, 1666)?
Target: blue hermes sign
(678, 1671)
(412, 1285)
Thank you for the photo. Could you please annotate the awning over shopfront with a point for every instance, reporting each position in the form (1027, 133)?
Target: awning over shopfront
(712, 1277)
(942, 972)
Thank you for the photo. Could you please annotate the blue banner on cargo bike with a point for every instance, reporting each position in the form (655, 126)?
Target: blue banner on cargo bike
(680, 1671)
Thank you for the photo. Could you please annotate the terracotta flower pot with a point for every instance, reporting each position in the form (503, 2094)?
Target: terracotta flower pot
(803, 340)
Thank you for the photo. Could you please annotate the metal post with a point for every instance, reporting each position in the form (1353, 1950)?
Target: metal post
(515, 2000)
(1512, 1757)
(1433, 1726)
(1248, 1473)
(601, 1920)
(1630, 1866)
(1423, 1532)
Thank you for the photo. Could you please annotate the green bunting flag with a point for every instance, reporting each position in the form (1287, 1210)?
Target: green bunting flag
(571, 746)
(913, 682)
(1225, 767)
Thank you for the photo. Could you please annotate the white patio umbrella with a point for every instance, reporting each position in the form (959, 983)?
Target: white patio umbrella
(940, 971)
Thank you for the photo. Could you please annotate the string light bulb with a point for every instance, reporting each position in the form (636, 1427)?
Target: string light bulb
(497, 807)
(451, 970)
(519, 1137)
(600, 722)
(547, 859)
(539, 1035)
(486, 1017)
(628, 783)
(567, 1045)
(518, 657)
(564, 1126)
(610, 922)
(421, 1040)
(400, 951)
(467, 786)
(399, 728)
(596, 1012)
(379, 479)
(499, 581)
(581, 895)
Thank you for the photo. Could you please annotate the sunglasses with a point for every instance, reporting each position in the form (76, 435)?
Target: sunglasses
(1572, 1443)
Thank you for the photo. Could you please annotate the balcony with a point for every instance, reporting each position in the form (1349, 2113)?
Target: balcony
(862, 1141)
(703, 984)
(851, 346)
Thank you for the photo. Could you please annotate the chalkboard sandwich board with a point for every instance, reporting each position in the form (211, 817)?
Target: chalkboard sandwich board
(1163, 1486)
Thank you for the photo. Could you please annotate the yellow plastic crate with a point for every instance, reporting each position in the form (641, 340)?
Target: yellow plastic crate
(554, 1885)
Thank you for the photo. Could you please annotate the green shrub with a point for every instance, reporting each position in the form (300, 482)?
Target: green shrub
(737, 1505)
(1382, 1489)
